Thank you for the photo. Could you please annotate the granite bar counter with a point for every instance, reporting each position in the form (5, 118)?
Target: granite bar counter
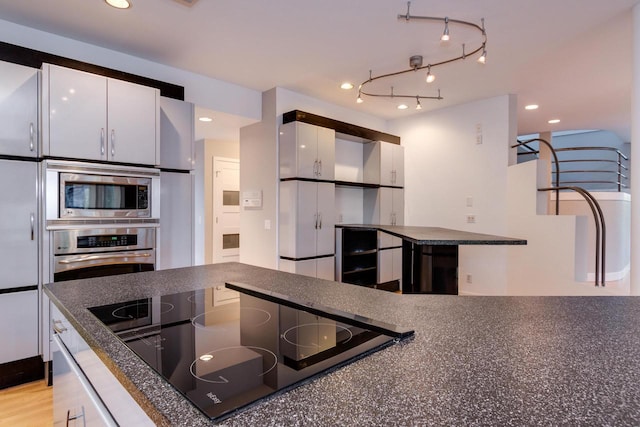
(430, 254)
(473, 360)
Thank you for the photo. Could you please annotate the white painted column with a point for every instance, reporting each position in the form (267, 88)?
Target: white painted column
(635, 157)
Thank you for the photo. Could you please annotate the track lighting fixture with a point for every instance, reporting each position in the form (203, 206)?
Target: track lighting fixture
(416, 63)
(445, 34)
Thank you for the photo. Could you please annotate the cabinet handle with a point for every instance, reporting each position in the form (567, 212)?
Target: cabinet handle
(315, 218)
(113, 142)
(75, 417)
(58, 329)
(31, 133)
(32, 219)
(315, 168)
(320, 219)
(319, 167)
(102, 141)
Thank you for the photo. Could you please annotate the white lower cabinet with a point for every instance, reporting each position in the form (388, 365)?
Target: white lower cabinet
(85, 392)
(307, 219)
(321, 268)
(19, 320)
(390, 265)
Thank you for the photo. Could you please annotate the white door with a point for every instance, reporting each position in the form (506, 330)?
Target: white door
(307, 150)
(226, 209)
(307, 221)
(326, 153)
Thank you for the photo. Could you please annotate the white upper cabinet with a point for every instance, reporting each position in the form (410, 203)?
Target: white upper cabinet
(384, 164)
(133, 118)
(87, 116)
(18, 110)
(307, 151)
(176, 134)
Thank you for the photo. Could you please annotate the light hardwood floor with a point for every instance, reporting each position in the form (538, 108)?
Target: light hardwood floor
(27, 405)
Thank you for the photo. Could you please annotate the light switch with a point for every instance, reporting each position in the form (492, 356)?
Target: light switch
(267, 224)
(469, 201)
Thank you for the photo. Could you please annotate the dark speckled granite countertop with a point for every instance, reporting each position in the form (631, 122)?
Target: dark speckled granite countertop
(438, 236)
(474, 360)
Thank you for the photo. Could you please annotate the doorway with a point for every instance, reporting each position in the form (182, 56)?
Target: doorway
(226, 209)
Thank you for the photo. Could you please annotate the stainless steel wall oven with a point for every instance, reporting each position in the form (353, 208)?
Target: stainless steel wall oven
(84, 253)
(101, 219)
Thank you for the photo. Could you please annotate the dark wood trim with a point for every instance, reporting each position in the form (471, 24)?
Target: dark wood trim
(35, 58)
(19, 289)
(20, 158)
(341, 183)
(21, 371)
(339, 127)
(307, 258)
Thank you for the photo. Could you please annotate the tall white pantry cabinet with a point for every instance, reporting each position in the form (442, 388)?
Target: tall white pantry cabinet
(307, 203)
(19, 280)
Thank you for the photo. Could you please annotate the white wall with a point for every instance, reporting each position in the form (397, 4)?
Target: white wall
(259, 167)
(445, 166)
(259, 172)
(199, 89)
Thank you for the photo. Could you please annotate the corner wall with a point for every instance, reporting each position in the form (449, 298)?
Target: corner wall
(446, 169)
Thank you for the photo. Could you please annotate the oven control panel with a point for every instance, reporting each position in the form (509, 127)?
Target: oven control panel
(107, 241)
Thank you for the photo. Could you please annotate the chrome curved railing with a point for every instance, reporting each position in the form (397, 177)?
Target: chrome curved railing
(601, 230)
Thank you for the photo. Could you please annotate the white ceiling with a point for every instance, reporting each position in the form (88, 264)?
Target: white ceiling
(572, 57)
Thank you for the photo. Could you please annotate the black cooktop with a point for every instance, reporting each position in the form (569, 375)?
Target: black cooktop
(225, 348)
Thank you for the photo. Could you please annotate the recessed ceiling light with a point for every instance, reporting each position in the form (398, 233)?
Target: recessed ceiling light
(205, 119)
(531, 107)
(553, 121)
(206, 357)
(119, 4)
(346, 86)
(402, 107)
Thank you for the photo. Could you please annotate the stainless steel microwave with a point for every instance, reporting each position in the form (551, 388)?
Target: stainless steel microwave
(76, 190)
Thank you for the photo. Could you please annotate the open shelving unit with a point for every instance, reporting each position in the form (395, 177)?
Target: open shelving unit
(359, 263)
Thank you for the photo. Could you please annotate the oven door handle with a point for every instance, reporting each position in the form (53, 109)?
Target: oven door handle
(99, 257)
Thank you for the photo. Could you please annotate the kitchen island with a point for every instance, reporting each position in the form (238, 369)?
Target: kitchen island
(473, 360)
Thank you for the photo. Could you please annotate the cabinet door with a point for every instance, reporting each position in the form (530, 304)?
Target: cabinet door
(326, 153)
(175, 247)
(307, 221)
(132, 114)
(307, 150)
(325, 268)
(19, 325)
(74, 402)
(18, 110)
(18, 220)
(176, 134)
(385, 265)
(76, 113)
(398, 206)
(386, 163)
(326, 206)
(398, 165)
(397, 265)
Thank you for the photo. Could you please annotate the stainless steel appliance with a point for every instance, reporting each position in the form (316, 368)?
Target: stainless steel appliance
(93, 252)
(77, 190)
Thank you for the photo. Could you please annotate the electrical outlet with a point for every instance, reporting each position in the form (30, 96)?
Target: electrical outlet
(478, 133)
(471, 219)
(469, 278)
